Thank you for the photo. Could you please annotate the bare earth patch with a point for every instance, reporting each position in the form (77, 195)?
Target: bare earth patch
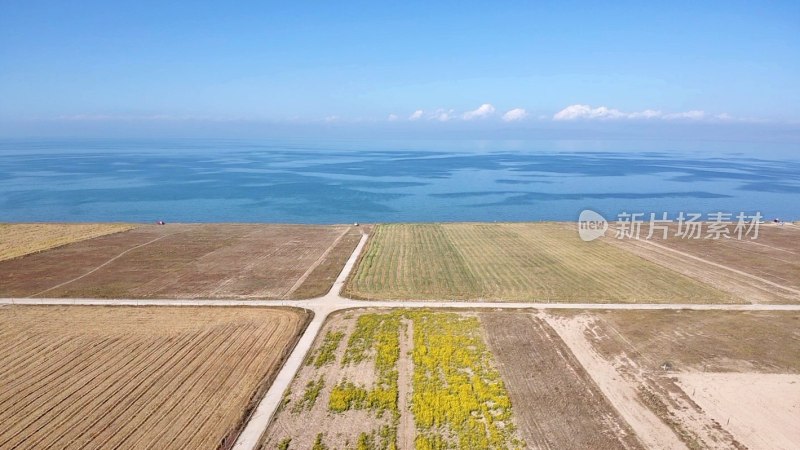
(658, 362)
(761, 410)
(618, 389)
(406, 431)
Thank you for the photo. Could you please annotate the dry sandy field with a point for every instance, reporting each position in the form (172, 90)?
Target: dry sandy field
(123, 377)
(763, 270)
(536, 262)
(20, 239)
(187, 261)
(697, 379)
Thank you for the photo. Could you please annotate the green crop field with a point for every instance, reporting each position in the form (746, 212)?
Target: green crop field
(536, 262)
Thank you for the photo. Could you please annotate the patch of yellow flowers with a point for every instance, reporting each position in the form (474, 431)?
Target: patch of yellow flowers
(459, 400)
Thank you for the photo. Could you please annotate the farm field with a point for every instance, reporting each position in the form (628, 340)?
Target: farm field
(19, 239)
(319, 281)
(557, 404)
(536, 262)
(764, 270)
(127, 377)
(187, 261)
(708, 379)
(380, 379)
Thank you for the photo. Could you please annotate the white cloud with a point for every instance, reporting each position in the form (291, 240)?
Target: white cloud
(693, 115)
(442, 115)
(393, 117)
(576, 112)
(515, 114)
(416, 115)
(646, 114)
(484, 110)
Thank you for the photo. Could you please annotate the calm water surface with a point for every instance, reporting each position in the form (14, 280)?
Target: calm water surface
(348, 181)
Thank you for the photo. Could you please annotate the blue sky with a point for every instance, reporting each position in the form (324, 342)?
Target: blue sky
(118, 67)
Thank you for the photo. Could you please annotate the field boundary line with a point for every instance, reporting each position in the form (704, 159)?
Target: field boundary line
(721, 266)
(332, 303)
(102, 265)
(316, 264)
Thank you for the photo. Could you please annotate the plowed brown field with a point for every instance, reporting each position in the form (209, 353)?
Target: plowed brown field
(92, 377)
(186, 261)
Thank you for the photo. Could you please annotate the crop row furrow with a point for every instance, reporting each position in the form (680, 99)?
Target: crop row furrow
(23, 359)
(83, 425)
(83, 403)
(142, 379)
(256, 361)
(201, 410)
(32, 387)
(141, 416)
(43, 402)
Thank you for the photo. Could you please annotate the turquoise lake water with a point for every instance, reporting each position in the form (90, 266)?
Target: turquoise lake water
(392, 181)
